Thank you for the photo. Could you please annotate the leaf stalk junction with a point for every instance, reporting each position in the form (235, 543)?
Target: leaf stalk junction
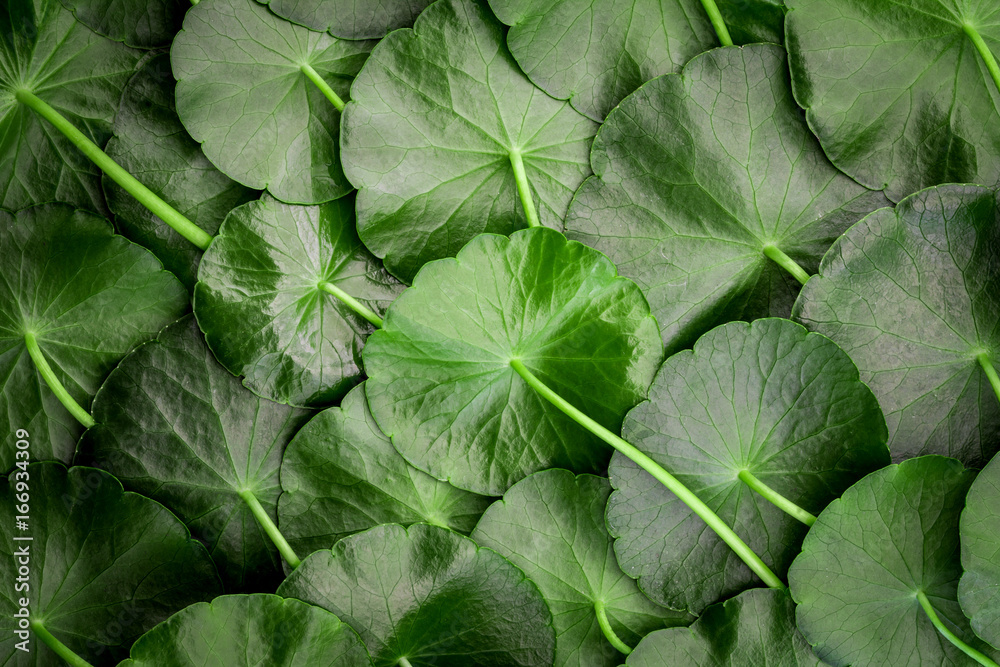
(609, 632)
(523, 188)
(60, 649)
(951, 636)
(991, 372)
(781, 502)
(284, 548)
(74, 408)
(984, 52)
(776, 255)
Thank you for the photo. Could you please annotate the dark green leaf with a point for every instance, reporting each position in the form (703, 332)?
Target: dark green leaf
(595, 52)
(441, 385)
(88, 297)
(46, 51)
(551, 525)
(140, 23)
(340, 475)
(174, 425)
(242, 91)
(696, 175)
(428, 141)
(431, 596)
(264, 312)
(105, 566)
(250, 630)
(890, 537)
(979, 589)
(757, 627)
(913, 295)
(898, 95)
(151, 144)
(350, 19)
(768, 398)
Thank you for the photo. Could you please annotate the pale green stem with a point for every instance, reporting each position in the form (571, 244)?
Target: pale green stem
(55, 385)
(351, 302)
(195, 2)
(272, 531)
(778, 500)
(685, 495)
(716, 18)
(984, 53)
(523, 189)
(609, 632)
(787, 263)
(951, 636)
(60, 649)
(144, 195)
(323, 86)
(403, 662)
(991, 372)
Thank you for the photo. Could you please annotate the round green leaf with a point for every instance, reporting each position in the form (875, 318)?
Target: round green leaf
(105, 565)
(899, 96)
(350, 19)
(757, 627)
(263, 309)
(767, 398)
(46, 51)
(441, 384)
(431, 596)
(697, 174)
(596, 52)
(174, 425)
(243, 93)
(979, 589)
(551, 525)
(151, 144)
(250, 630)
(913, 295)
(890, 537)
(88, 297)
(439, 112)
(140, 23)
(340, 475)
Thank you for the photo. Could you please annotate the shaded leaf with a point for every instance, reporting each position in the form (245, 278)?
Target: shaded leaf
(979, 588)
(350, 19)
(428, 595)
(440, 380)
(141, 23)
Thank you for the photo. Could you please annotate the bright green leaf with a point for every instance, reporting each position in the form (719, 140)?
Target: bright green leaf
(891, 537)
(979, 589)
(441, 384)
(88, 297)
(441, 119)
(898, 95)
(431, 596)
(174, 425)
(340, 475)
(151, 144)
(913, 295)
(757, 627)
(250, 630)
(244, 92)
(697, 176)
(105, 565)
(46, 51)
(765, 399)
(596, 52)
(140, 23)
(551, 525)
(263, 302)
(350, 19)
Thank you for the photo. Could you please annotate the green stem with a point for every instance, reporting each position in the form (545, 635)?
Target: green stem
(351, 302)
(144, 195)
(984, 53)
(716, 18)
(523, 189)
(951, 636)
(991, 372)
(787, 263)
(323, 86)
(685, 495)
(609, 632)
(272, 531)
(781, 502)
(60, 649)
(403, 662)
(55, 385)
